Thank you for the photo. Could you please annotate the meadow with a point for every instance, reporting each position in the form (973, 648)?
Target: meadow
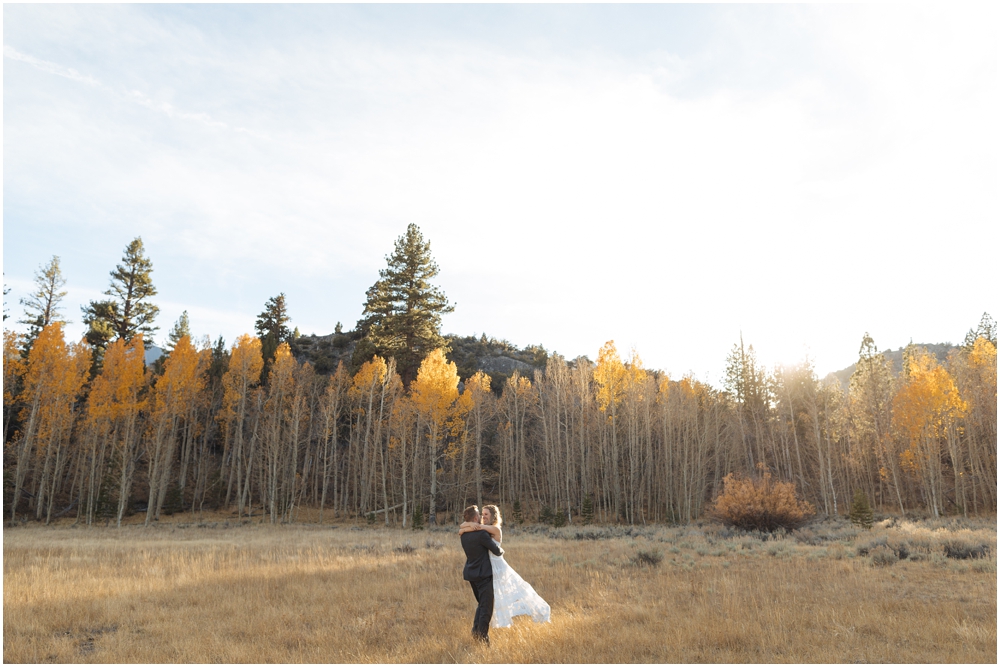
(219, 590)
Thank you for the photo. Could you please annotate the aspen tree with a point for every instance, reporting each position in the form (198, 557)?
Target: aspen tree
(516, 404)
(924, 409)
(483, 406)
(331, 408)
(975, 371)
(13, 373)
(403, 418)
(172, 398)
(367, 398)
(611, 377)
(278, 439)
(434, 392)
(747, 382)
(239, 381)
(113, 413)
(54, 375)
(871, 410)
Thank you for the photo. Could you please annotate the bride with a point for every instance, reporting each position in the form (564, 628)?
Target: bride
(513, 596)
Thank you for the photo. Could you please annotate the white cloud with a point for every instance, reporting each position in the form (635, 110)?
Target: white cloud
(48, 67)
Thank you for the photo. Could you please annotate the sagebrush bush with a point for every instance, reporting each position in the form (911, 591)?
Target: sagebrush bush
(650, 558)
(883, 556)
(760, 503)
(962, 549)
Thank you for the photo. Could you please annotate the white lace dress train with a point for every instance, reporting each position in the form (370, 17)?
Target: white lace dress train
(513, 596)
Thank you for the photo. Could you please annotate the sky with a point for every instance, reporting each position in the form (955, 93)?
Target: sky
(670, 177)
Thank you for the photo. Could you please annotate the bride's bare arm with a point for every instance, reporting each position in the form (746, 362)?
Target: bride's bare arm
(468, 526)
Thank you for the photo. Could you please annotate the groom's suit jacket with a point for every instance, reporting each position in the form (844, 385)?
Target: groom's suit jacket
(478, 544)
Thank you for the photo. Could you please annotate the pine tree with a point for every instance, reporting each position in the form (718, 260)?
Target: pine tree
(987, 329)
(402, 313)
(417, 521)
(181, 328)
(861, 511)
(272, 329)
(518, 513)
(546, 515)
(41, 307)
(128, 311)
(587, 511)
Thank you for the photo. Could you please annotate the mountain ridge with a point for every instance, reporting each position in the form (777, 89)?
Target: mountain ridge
(500, 359)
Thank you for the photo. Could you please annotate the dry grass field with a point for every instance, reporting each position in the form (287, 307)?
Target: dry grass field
(214, 591)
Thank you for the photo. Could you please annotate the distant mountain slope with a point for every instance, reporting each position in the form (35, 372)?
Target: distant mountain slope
(152, 353)
(895, 357)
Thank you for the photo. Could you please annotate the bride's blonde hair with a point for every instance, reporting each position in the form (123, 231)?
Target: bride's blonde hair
(495, 513)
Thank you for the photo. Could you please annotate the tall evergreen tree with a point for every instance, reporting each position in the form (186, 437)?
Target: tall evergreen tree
(272, 329)
(987, 329)
(128, 312)
(402, 315)
(181, 328)
(41, 307)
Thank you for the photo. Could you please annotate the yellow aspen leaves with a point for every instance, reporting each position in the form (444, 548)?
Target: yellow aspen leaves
(436, 387)
(927, 400)
(116, 391)
(611, 376)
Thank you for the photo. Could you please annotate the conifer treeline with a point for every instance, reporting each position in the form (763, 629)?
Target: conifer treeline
(210, 432)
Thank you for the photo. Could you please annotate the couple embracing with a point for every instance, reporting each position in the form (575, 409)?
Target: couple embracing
(499, 590)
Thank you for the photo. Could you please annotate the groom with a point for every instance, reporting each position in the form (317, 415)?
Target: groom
(479, 573)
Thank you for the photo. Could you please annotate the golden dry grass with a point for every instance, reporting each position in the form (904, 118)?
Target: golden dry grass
(257, 593)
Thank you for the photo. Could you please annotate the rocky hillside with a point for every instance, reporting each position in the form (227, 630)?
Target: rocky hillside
(325, 352)
(895, 357)
(498, 358)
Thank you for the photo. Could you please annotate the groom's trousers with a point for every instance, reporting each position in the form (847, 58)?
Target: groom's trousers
(483, 589)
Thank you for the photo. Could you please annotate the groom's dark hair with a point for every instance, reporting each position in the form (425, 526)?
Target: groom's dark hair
(471, 513)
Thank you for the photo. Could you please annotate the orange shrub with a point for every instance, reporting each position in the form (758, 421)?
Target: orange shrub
(759, 503)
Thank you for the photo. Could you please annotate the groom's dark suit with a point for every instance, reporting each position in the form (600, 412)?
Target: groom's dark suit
(479, 573)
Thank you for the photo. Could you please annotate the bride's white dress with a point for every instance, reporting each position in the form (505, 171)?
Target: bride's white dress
(513, 596)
